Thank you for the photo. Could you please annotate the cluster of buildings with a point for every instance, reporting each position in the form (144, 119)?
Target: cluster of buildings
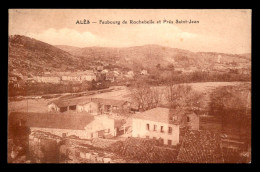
(66, 76)
(12, 79)
(91, 118)
(164, 125)
(93, 106)
(98, 74)
(196, 137)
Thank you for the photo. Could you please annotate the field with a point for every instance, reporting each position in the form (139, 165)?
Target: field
(29, 105)
(205, 87)
(123, 94)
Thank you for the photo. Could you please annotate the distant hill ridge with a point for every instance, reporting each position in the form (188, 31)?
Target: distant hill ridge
(148, 56)
(29, 55)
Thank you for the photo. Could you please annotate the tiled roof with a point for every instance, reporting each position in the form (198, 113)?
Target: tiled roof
(157, 114)
(200, 147)
(49, 120)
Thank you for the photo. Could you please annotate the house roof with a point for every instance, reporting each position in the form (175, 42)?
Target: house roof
(49, 120)
(109, 101)
(157, 114)
(70, 102)
(80, 73)
(200, 146)
(85, 102)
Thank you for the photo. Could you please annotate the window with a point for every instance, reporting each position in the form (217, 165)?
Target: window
(147, 126)
(20, 122)
(170, 130)
(161, 142)
(108, 108)
(169, 142)
(162, 129)
(154, 127)
(72, 107)
(188, 119)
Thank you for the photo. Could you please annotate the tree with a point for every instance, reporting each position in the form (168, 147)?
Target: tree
(231, 104)
(183, 96)
(156, 95)
(145, 96)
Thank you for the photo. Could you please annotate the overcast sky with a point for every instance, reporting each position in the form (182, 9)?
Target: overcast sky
(226, 31)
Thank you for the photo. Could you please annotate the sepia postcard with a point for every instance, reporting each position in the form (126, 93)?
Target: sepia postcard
(129, 86)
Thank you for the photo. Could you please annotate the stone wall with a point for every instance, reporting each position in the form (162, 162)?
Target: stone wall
(49, 148)
(44, 148)
(83, 134)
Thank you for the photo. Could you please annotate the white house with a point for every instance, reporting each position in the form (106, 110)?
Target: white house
(156, 124)
(83, 126)
(90, 107)
(47, 79)
(87, 75)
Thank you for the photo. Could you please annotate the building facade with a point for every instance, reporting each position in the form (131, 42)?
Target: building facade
(48, 79)
(156, 124)
(90, 107)
(82, 126)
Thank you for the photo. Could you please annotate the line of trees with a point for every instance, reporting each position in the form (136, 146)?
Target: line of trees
(145, 96)
(184, 97)
(177, 95)
(26, 89)
(168, 76)
(232, 104)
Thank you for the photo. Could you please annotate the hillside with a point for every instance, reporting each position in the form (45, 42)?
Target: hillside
(149, 56)
(142, 56)
(30, 56)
